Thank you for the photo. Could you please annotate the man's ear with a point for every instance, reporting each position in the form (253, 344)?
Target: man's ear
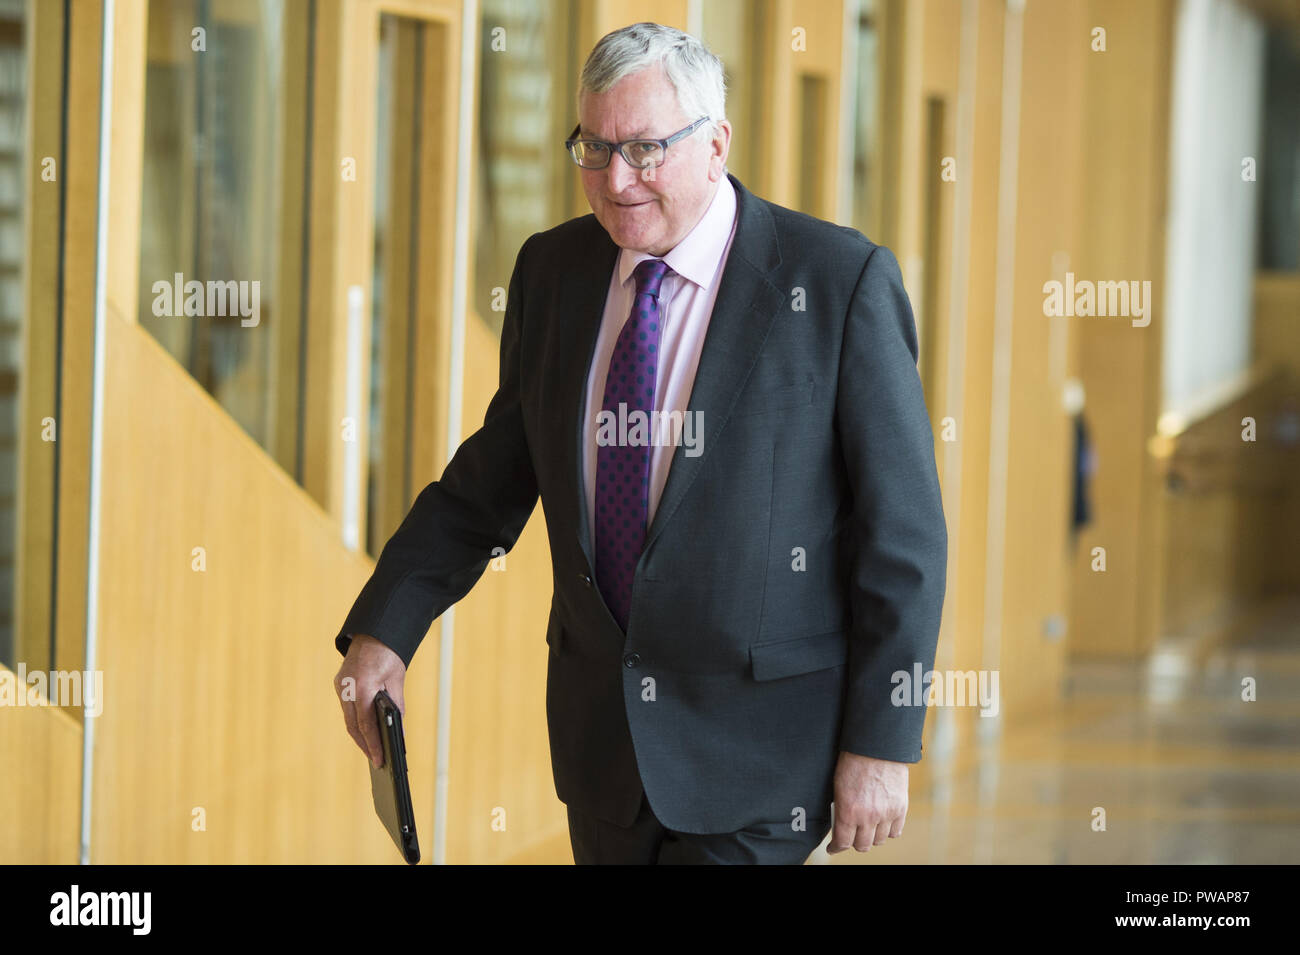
(723, 135)
(720, 147)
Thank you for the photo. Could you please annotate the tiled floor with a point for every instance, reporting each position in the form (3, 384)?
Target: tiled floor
(1185, 770)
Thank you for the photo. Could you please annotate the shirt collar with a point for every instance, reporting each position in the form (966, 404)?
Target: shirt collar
(696, 257)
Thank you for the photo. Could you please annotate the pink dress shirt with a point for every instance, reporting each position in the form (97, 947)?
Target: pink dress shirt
(685, 304)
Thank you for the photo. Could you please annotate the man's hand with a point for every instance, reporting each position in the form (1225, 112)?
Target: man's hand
(369, 667)
(870, 802)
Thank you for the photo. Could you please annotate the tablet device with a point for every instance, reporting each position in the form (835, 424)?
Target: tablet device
(388, 784)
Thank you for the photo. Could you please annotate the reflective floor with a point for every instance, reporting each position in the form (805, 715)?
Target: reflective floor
(1184, 769)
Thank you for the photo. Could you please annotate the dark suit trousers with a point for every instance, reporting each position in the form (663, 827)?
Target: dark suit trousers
(647, 842)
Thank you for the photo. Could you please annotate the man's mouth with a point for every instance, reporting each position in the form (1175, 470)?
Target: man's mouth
(630, 205)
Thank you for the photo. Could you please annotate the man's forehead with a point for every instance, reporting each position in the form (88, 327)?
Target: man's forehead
(633, 127)
(655, 101)
(647, 131)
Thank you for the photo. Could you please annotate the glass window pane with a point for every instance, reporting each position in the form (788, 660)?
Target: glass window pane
(399, 257)
(526, 182)
(216, 208)
(1279, 175)
(13, 196)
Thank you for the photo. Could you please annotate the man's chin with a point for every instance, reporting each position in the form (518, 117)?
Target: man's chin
(632, 240)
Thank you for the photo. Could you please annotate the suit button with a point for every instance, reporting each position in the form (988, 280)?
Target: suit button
(585, 578)
(632, 660)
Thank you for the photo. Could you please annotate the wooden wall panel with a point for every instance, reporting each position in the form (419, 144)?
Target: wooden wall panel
(953, 30)
(1277, 319)
(197, 663)
(126, 157)
(40, 788)
(499, 765)
(1277, 345)
(806, 40)
(606, 16)
(1125, 159)
(974, 419)
(1035, 580)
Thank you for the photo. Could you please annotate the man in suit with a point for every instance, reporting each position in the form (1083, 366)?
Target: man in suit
(732, 603)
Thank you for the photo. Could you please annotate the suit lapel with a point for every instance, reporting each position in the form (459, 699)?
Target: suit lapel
(583, 298)
(746, 305)
(743, 313)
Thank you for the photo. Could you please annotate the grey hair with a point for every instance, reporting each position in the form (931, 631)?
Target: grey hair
(695, 71)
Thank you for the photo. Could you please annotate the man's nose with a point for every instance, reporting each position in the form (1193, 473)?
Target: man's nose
(622, 174)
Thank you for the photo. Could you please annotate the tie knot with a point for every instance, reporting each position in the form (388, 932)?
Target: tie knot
(649, 275)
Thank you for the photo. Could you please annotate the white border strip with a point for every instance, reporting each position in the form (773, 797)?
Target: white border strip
(455, 386)
(96, 430)
(353, 408)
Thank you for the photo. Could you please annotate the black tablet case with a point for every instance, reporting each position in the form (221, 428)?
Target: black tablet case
(389, 785)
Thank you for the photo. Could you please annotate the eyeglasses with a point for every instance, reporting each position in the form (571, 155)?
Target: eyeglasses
(639, 153)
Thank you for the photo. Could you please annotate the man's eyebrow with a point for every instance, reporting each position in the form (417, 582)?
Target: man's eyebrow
(639, 134)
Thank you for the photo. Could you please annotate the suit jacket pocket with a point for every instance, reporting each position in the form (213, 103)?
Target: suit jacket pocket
(772, 661)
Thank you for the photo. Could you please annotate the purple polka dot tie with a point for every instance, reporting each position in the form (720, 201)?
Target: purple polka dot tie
(623, 467)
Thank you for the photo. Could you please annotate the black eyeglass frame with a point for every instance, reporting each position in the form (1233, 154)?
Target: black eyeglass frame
(662, 143)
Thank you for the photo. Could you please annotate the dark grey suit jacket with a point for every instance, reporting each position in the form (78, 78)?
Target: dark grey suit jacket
(790, 570)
